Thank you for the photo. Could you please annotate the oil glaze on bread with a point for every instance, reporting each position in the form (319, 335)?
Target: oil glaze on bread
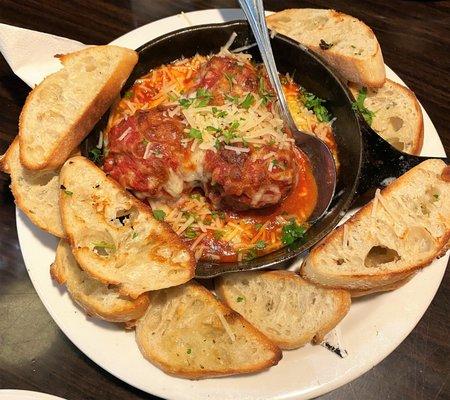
(114, 236)
(188, 333)
(62, 110)
(97, 299)
(403, 229)
(287, 309)
(348, 45)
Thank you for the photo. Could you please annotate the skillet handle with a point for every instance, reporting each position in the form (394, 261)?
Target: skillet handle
(381, 161)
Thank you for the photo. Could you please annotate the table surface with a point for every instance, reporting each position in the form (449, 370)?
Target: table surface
(35, 354)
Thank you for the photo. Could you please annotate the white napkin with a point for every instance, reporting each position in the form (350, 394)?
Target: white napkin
(30, 54)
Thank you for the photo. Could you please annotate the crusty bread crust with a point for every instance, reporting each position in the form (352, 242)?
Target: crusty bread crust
(382, 289)
(94, 297)
(415, 118)
(28, 191)
(157, 258)
(156, 347)
(74, 132)
(228, 286)
(367, 71)
(316, 271)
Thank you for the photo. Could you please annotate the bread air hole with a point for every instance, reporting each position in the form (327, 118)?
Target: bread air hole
(125, 217)
(419, 239)
(379, 255)
(395, 142)
(395, 123)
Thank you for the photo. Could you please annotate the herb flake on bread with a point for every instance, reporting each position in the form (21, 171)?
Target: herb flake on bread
(348, 45)
(97, 299)
(287, 309)
(115, 237)
(188, 333)
(402, 230)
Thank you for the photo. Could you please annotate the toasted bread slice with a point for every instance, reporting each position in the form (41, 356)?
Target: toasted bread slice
(188, 333)
(62, 110)
(348, 45)
(403, 229)
(114, 236)
(287, 309)
(94, 297)
(36, 192)
(397, 115)
(381, 289)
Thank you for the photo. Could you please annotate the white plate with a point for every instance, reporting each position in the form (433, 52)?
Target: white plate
(373, 328)
(10, 394)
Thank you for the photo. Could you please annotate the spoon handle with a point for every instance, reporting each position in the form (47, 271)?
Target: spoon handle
(254, 11)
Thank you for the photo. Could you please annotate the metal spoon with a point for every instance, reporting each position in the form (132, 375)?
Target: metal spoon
(320, 157)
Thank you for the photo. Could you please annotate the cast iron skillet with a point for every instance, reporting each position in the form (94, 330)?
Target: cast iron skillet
(366, 159)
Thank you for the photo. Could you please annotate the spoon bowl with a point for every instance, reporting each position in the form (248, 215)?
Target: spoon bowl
(318, 153)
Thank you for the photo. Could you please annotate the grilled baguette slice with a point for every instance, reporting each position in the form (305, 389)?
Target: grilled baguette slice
(354, 53)
(188, 333)
(94, 297)
(397, 115)
(114, 236)
(403, 229)
(62, 110)
(287, 309)
(36, 192)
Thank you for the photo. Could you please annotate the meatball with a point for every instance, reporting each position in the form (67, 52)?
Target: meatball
(143, 150)
(259, 178)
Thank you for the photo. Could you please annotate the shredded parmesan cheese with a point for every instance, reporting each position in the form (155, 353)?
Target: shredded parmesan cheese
(147, 151)
(226, 326)
(228, 44)
(124, 134)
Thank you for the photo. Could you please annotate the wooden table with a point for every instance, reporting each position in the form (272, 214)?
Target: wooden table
(36, 355)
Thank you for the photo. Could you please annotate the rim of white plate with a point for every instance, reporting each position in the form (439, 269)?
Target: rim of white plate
(178, 389)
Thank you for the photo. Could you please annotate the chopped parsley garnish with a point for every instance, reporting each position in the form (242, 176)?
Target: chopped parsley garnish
(159, 215)
(230, 133)
(95, 155)
(324, 45)
(145, 142)
(135, 235)
(189, 351)
(195, 134)
(248, 101)
(251, 254)
(266, 96)
(258, 226)
(212, 129)
(260, 245)
(128, 94)
(315, 104)
(195, 196)
(190, 233)
(103, 245)
(275, 162)
(233, 99)
(358, 105)
(217, 144)
(68, 192)
(291, 232)
(204, 96)
(239, 299)
(219, 113)
(218, 234)
(436, 196)
(229, 78)
(185, 103)
(218, 214)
